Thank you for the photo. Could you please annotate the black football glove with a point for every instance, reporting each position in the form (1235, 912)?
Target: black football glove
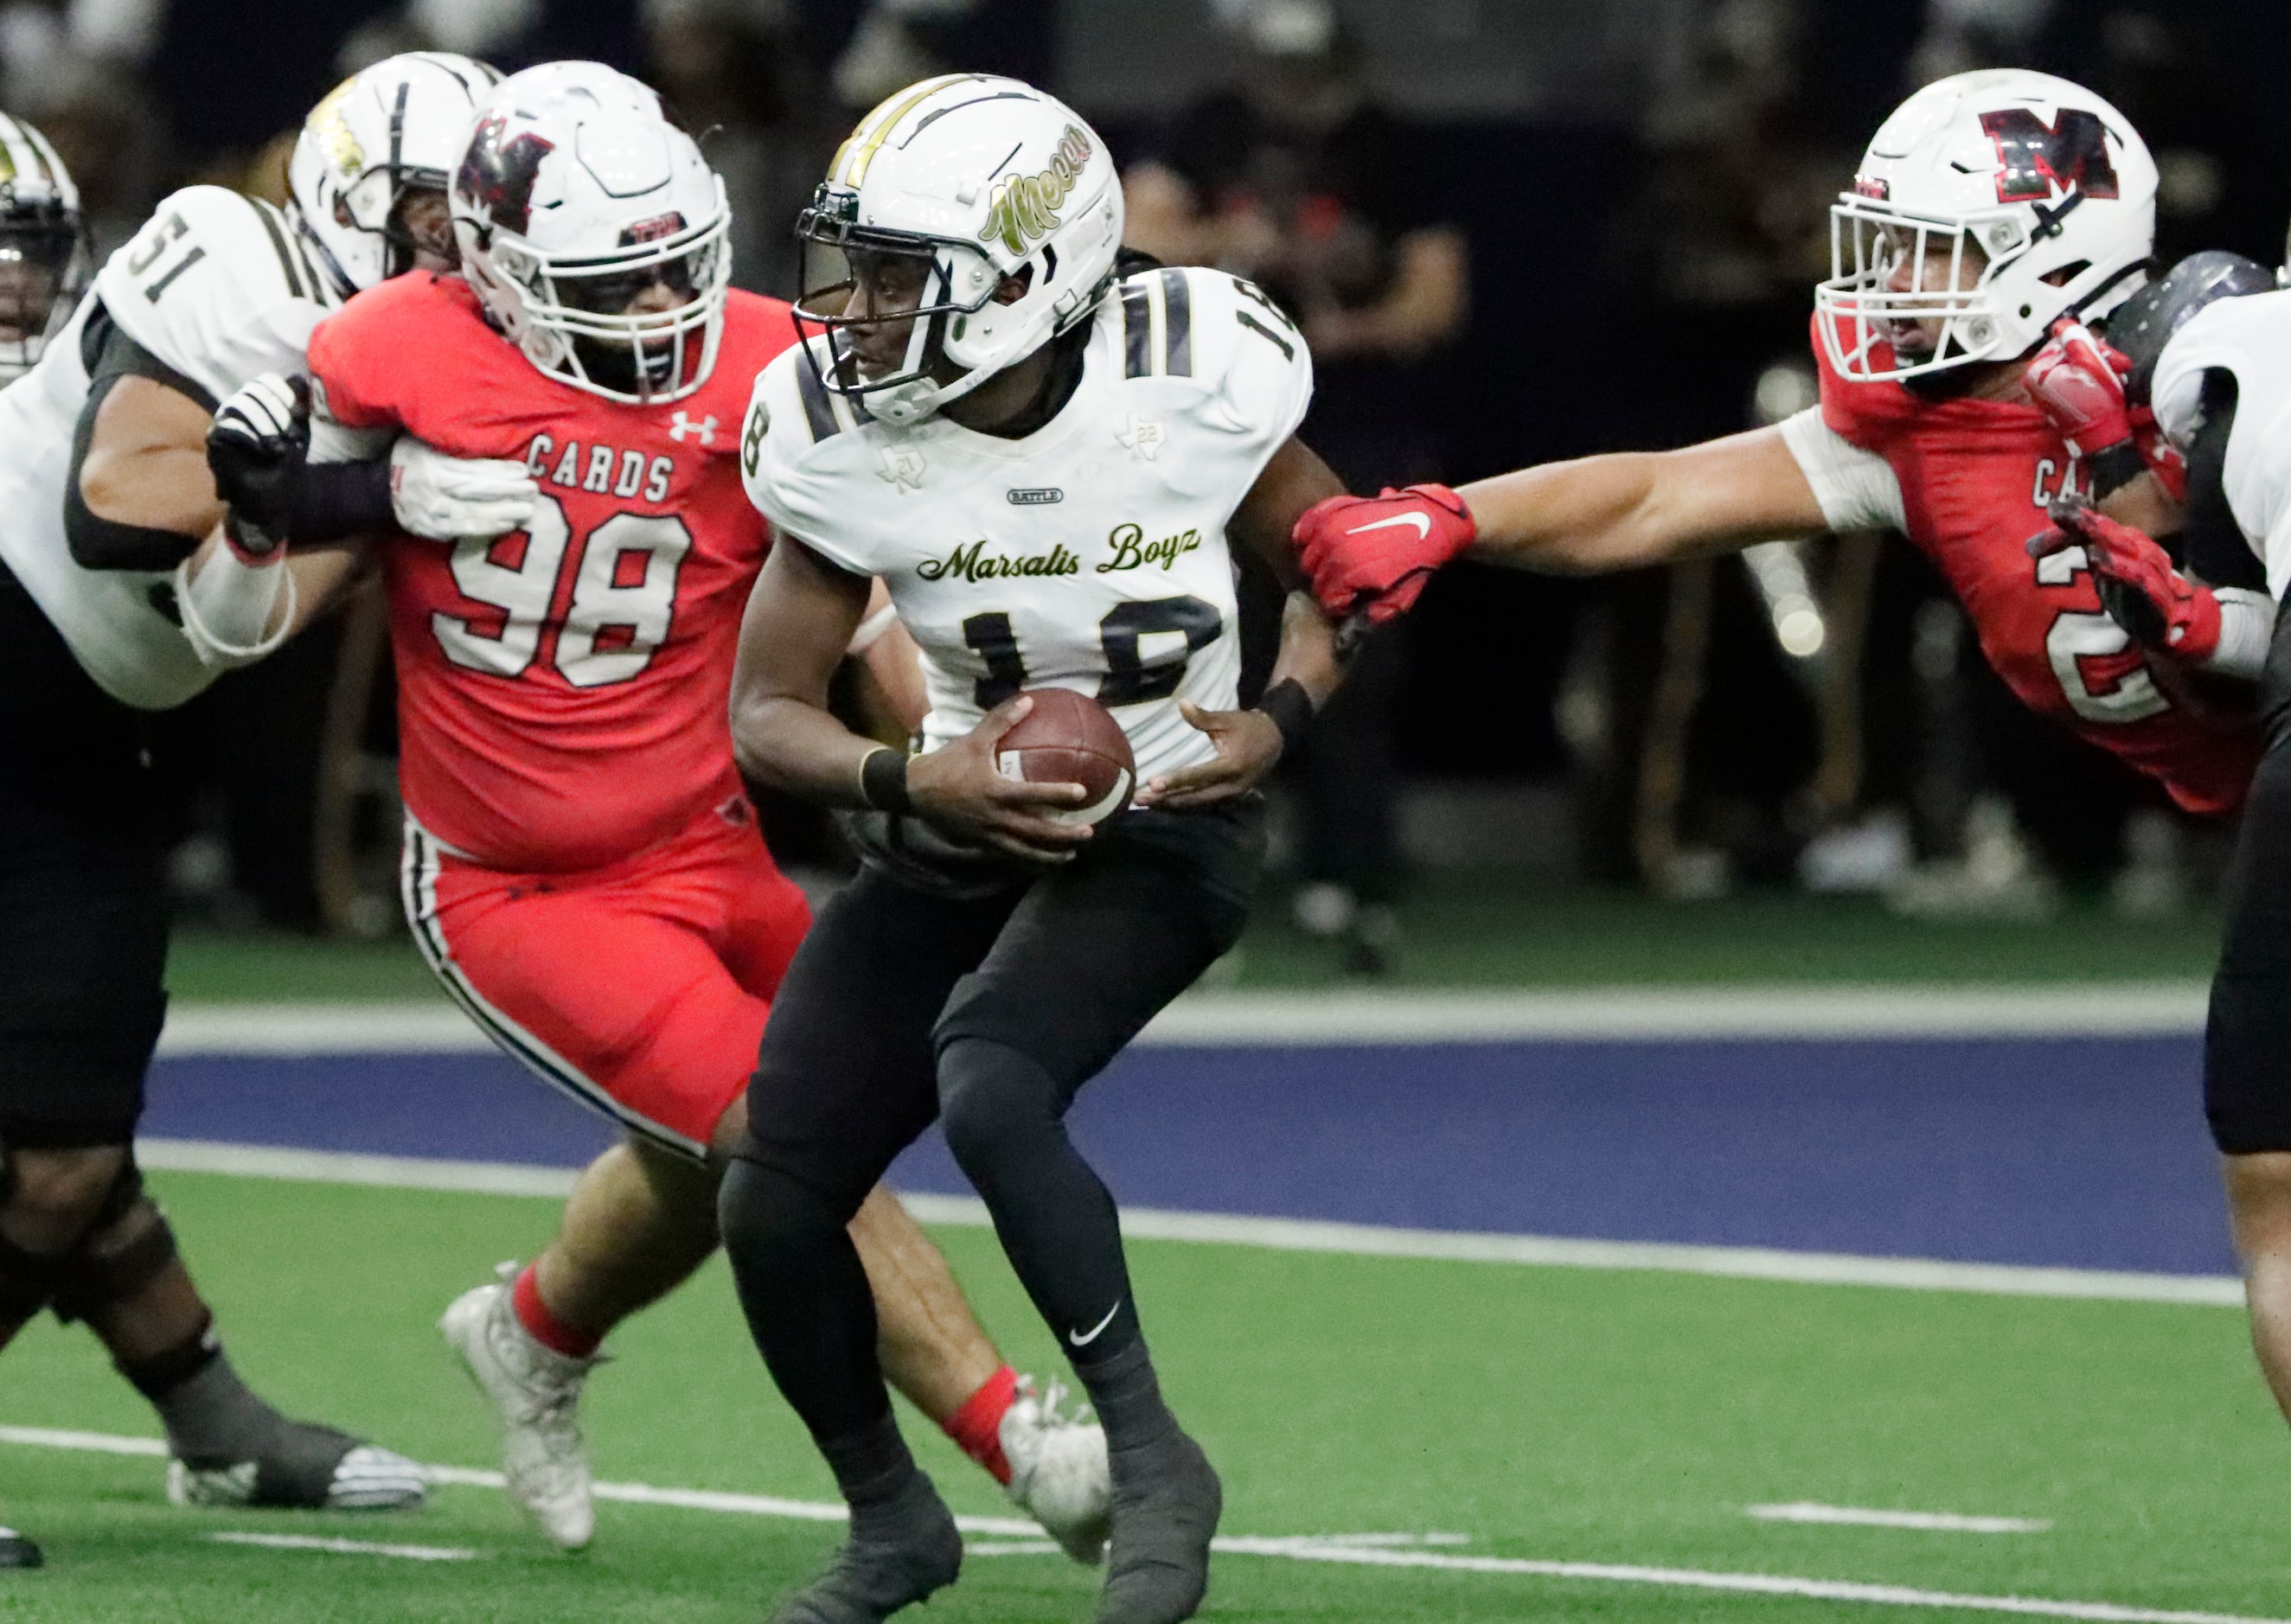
(256, 449)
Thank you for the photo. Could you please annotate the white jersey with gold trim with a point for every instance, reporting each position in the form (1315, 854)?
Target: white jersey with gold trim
(1090, 555)
(215, 287)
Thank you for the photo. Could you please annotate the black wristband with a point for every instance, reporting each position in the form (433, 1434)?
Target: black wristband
(333, 500)
(883, 780)
(2111, 467)
(1290, 707)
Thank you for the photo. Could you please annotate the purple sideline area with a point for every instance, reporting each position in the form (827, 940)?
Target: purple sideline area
(2085, 1153)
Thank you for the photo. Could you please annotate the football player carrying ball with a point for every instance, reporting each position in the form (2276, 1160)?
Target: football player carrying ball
(1043, 459)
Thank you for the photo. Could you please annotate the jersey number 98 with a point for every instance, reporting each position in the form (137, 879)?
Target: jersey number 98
(622, 600)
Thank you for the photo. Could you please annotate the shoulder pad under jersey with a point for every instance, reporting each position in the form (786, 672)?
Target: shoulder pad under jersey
(215, 285)
(1224, 335)
(2143, 324)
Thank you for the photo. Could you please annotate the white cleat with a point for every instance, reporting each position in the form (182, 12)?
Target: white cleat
(536, 1392)
(1058, 1474)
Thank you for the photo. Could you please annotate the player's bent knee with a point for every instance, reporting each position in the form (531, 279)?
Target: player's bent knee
(759, 1207)
(127, 1246)
(992, 1097)
(49, 1198)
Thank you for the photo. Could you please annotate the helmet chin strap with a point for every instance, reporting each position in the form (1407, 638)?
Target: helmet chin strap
(344, 288)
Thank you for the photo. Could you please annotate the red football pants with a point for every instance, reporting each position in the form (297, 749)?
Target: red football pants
(640, 989)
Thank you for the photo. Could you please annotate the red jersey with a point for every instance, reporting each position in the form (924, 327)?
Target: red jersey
(562, 691)
(1975, 477)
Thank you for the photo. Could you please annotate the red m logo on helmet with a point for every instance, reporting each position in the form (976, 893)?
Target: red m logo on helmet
(2071, 155)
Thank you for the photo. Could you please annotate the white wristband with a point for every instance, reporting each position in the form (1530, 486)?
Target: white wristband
(227, 604)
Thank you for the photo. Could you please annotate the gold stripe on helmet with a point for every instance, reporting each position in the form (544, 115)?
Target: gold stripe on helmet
(863, 143)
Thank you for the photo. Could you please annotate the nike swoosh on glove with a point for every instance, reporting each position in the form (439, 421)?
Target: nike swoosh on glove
(447, 498)
(1373, 554)
(2140, 587)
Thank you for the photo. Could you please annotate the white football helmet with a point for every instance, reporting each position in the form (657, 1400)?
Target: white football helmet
(576, 199)
(397, 126)
(46, 257)
(1995, 203)
(970, 178)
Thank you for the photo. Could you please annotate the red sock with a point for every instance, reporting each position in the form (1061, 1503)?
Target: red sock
(543, 1326)
(977, 1425)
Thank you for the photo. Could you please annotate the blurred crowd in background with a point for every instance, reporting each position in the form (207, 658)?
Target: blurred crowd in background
(1513, 232)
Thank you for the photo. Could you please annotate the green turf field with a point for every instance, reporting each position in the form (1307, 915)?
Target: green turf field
(1546, 1414)
(1481, 932)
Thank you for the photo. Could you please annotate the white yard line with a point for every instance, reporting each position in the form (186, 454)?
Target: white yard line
(1366, 1550)
(348, 1547)
(2134, 1008)
(1758, 1584)
(1860, 1516)
(1293, 1234)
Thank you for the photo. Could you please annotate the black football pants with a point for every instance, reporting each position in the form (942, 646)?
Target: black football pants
(2247, 1040)
(987, 1012)
(82, 904)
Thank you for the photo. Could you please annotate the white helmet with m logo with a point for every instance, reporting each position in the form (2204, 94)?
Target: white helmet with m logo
(1989, 206)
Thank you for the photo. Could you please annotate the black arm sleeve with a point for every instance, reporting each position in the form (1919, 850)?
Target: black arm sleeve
(335, 500)
(103, 543)
(2213, 545)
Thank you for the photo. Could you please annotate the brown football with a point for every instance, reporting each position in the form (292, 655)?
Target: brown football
(1071, 738)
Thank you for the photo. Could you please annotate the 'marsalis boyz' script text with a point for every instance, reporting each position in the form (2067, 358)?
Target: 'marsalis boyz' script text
(1132, 550)
(972, 562)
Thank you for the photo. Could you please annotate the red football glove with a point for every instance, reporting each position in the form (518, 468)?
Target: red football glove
(1373, 554)
(2076, 381)
(2139, 586)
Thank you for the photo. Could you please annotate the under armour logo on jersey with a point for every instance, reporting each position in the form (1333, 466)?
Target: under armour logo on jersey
(681, 425)
(1142, 436)
(902, 466)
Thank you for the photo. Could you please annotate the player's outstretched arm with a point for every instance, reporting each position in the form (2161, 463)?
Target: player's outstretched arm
(1622, 510)
(1307, 670)
(798, 625)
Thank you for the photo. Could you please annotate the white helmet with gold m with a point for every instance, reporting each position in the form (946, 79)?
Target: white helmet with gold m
(948, 192)
(394, 128)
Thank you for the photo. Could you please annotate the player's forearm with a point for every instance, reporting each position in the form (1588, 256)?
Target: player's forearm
(1581, 517)
(1629, 509)
(1307, 655)
(800, 749)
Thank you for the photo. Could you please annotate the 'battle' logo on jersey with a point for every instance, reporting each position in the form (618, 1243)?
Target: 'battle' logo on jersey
(2071, 155)
(1026, 209)
(498, 173)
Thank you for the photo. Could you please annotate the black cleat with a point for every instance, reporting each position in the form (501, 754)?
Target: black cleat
(18, 1552)
(1166, 1505)
(897, 1554)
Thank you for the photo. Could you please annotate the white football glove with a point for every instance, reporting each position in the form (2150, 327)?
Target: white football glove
(447, 498)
